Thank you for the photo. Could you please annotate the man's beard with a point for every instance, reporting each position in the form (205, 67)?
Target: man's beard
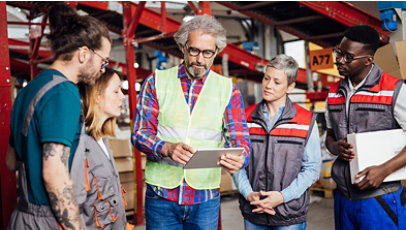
(88, 76)
(194, 72)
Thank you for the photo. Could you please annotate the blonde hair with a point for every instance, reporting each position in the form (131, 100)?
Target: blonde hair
(92, 112)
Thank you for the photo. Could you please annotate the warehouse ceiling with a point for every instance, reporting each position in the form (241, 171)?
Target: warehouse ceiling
(301, 19)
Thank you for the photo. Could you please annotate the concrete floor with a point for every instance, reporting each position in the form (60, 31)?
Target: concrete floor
(320, 216)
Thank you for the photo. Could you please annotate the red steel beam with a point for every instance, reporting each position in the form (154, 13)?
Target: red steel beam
(263, 19)
(128, 9)
(8, 184)
(205, 7)
(15, 42)
(163, 16)
(36, 43)
(195, 9)
(135, 20)
(151, 19)
(347, 14)
(152, 38)
(41, 53)
(103, 5)
(27, 23)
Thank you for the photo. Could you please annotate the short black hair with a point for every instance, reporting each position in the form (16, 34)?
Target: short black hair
(366, 35)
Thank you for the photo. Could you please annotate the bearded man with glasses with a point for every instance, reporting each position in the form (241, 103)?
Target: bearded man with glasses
(368, 99)
(180, 110)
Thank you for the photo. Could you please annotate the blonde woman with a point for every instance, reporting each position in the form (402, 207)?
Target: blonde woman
(94, 171)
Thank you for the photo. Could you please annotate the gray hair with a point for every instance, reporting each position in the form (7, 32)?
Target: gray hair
(286, 63)
(206, 23)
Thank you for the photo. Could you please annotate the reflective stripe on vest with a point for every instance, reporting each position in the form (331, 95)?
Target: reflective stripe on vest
(381, 93)
(180, 133)
(381, 97)
(298, 126)
(200, 129)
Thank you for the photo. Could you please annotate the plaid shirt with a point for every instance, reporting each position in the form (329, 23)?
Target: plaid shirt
(145, 130)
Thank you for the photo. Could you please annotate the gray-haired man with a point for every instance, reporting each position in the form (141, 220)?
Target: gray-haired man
(182, 109)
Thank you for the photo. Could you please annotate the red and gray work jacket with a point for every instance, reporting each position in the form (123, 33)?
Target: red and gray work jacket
(370, 109)
(276, 160)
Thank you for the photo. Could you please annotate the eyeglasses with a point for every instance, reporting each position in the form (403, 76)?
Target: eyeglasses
(348, 58)
(105, 62)
(194, 52)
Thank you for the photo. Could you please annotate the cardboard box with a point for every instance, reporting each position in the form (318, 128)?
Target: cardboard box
(227, 183)
(375, 148)
(127, 177)
(120, 147)
(130, 194)
(124, 164)
(392, 59)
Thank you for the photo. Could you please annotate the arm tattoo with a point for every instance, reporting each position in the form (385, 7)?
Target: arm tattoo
(49, 150)
(61, 193)
(63, 203)
(52, 150)
(65, 154)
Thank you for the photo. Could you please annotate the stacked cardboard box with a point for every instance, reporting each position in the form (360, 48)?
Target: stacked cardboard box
(392, 59)
(227, 184)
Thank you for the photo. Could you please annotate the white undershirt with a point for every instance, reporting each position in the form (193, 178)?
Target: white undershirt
(103, 146)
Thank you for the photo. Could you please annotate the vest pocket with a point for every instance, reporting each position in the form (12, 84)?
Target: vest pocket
(257, 140)
(335, 108)
(372, 107)
(105, 205)
(289, 142)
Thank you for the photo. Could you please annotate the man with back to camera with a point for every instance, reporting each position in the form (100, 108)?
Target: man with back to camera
(182, 109)
(45, 146)
(368, 99)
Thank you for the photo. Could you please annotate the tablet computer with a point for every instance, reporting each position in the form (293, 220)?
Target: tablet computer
(207, 158)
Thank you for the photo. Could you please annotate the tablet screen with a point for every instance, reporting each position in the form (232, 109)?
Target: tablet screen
(207, 158)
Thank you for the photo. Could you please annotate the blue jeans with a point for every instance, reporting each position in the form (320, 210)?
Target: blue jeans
(368, 214)
(250, 226)
(163, 214)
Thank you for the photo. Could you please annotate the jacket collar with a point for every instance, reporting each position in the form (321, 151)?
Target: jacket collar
(289, 112)
(372, 79)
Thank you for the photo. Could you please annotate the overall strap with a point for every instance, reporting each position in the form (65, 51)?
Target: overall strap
(31, 108)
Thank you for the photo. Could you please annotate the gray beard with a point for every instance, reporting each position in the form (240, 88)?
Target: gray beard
(195, 74)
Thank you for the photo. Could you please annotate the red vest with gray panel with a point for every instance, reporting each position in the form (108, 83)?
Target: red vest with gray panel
(371, 109)
(276, 160)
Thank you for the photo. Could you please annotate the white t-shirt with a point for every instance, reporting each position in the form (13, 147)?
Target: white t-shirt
(103, 146)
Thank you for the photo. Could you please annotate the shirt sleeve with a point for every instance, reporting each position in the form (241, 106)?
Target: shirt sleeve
(144, 132)
(59, 114)
(235, 125)
(400, 107)
(243, 184)
(310, 170)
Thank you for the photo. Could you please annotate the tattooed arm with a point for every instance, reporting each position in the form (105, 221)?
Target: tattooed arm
(60, 186)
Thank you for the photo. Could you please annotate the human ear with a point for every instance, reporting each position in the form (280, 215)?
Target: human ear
(83, 54)
(291, 87)
(369, 60)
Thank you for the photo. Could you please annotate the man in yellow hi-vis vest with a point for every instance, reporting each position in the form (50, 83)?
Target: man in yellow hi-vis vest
(179, 110)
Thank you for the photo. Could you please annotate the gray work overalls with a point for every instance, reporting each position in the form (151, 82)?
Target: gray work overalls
(28, 215)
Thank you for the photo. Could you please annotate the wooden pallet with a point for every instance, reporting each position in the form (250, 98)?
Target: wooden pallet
(317, 191)
(229, 193)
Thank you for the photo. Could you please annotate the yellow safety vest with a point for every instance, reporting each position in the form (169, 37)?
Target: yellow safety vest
(200, 129)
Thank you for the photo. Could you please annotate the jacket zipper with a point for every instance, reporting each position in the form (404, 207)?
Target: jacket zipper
(266, 167)
(347, 115)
